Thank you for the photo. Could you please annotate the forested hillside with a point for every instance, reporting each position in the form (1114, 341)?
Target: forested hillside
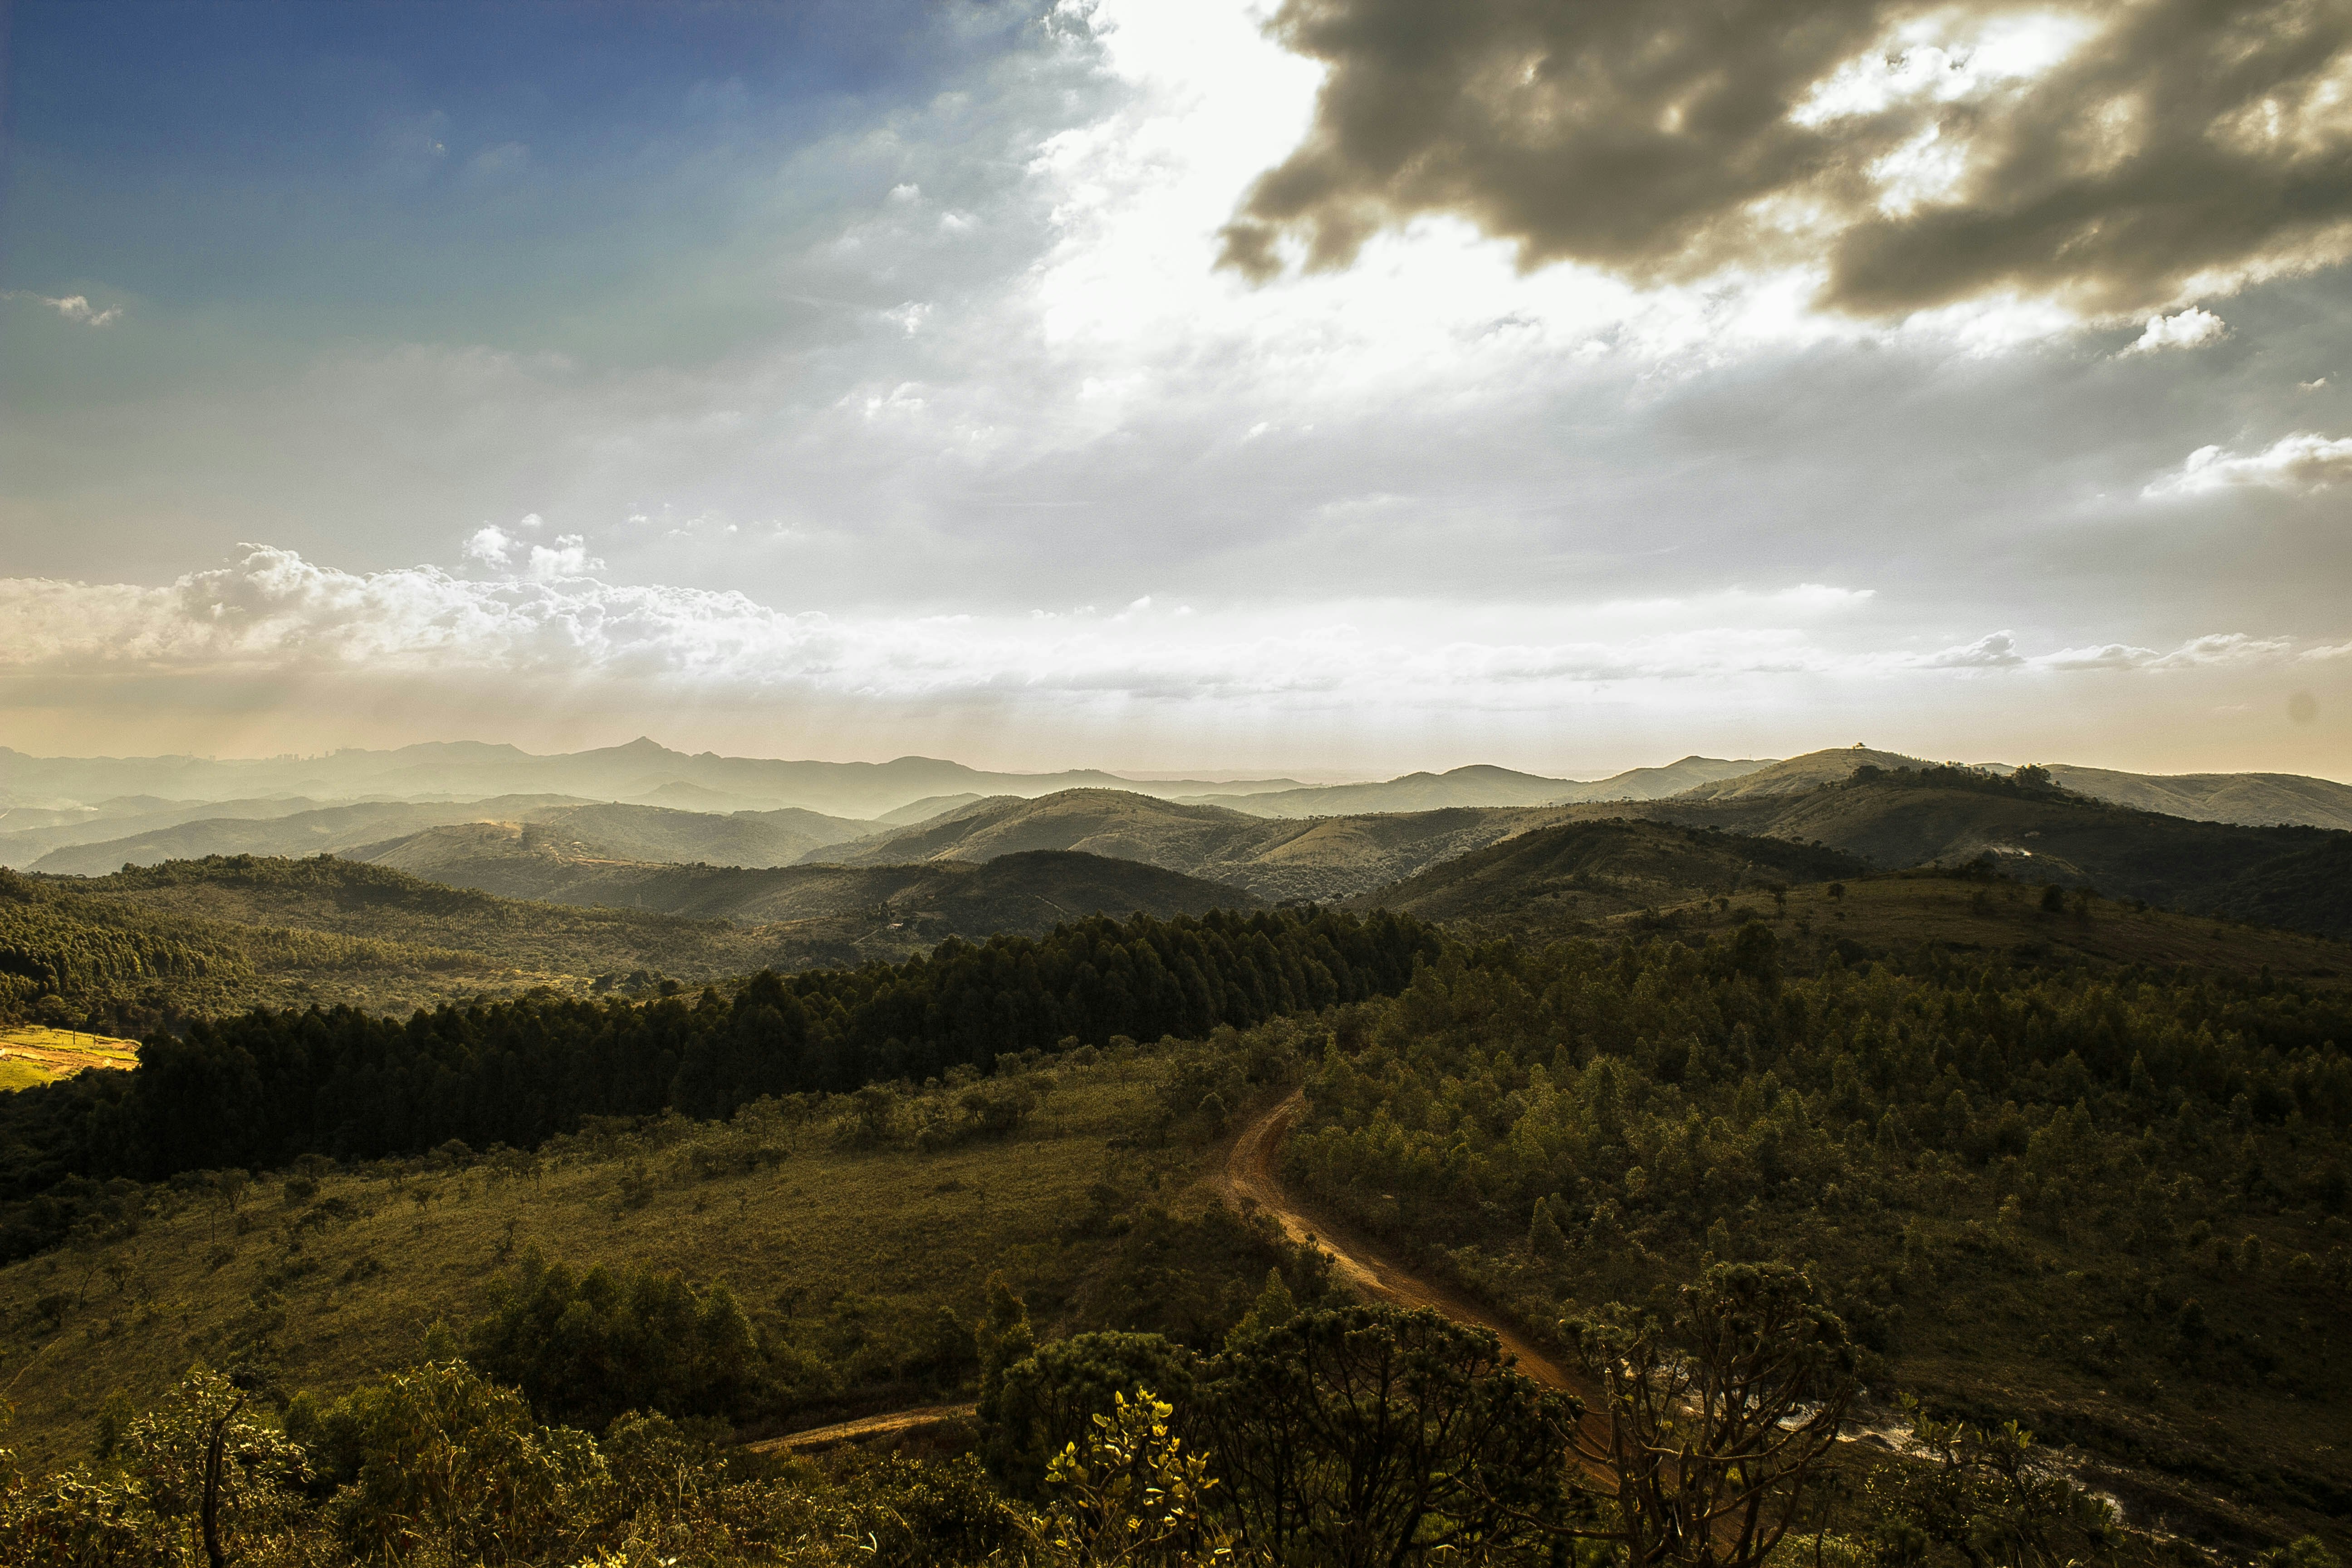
(1323, 859)
(70, 958)
(2114, 1202)
(2105, 1201)
(260, 1089)
(1030, 891)
(2019, 1151)
(1550, 878)
(156, 946)
(1903, 816)
(339, 933)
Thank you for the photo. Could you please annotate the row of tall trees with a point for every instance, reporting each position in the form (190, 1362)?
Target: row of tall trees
(256, 1091)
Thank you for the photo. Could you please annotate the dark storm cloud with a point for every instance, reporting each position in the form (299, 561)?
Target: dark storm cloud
(2180, 146)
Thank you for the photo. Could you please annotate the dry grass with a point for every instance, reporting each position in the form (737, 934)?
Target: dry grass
(856, 1246)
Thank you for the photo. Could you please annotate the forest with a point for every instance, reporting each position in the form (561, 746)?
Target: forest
(2065, 1234)
(258, 1089)
(2136, 1179)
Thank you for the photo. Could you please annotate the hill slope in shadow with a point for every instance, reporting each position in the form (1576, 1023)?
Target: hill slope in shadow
(1024, 892)
(1550, 878)
(2299, 877)
(1328, 858)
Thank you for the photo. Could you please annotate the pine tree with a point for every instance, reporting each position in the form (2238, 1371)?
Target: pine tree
(1545, 1238)
(1272, 1308)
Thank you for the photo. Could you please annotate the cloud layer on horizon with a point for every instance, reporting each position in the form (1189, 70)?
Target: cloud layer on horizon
(272, 611)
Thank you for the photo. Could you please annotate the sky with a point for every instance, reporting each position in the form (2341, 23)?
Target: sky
(1331, 387)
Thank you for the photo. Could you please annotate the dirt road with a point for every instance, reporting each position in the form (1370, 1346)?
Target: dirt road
(1250, 1178)
(864, 1427)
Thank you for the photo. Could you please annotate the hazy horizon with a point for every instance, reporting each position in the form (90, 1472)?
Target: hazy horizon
(1307, 776)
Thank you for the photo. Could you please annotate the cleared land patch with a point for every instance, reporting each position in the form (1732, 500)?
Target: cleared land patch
(32, 1053)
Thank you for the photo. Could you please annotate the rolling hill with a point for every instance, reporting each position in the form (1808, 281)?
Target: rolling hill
(220, 934)
(1477, 786)
(776, 838)
(316, 831)
(1797, 774)
(1328, 858)
(2299, 877)
(640, 771)
(27, 835)
(69, 956)
(2256, 800)
(738, 838)
(1025, 891)
(923, 810)
(1578, 878)
(1551, 876)
(2252, 800)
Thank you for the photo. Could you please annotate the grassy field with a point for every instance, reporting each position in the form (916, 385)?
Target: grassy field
(846, 1252)
(33, 1053)
(15, 1073)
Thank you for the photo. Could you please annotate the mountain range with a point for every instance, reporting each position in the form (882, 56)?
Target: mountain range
(642, 772)
(2170, 841)
(1480, 785)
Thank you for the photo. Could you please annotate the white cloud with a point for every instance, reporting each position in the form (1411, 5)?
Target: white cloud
(2219, 648)
(2190, 329)
(568, 558)
(75, 308)
(2297, 463)
(273, 612)
(1996, 650)
(491, 544)
(1999, 650)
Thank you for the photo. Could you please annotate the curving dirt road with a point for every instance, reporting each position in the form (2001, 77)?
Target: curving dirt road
(1249, 1179)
